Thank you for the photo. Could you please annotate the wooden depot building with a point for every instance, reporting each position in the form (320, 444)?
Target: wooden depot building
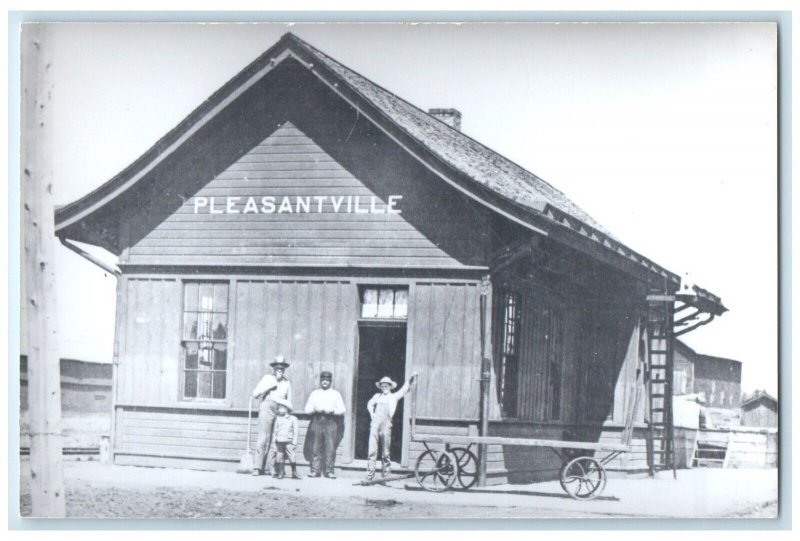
(304, 210)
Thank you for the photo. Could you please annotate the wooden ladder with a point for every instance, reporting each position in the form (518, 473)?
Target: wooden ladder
(660, 441)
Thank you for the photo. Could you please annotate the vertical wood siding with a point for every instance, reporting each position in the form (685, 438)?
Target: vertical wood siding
(610, 356)
(446, 349)
(626, 385)
(149, 348)
(287, 164)
(310, 322)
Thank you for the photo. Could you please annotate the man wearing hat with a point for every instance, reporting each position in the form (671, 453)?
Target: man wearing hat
(326, 407)
(381, 409)
(270, 388)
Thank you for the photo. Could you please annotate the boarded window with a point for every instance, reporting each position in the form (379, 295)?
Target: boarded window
(509, 357)
(204, 349)
(384, 302)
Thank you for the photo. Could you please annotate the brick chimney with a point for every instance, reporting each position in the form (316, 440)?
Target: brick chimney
(451, 117)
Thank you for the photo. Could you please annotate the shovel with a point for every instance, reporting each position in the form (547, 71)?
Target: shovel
(247, 462)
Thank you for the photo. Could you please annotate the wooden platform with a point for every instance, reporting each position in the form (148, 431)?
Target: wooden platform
(530, 442)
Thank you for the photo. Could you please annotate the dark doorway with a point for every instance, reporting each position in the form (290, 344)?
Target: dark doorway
(381, 352)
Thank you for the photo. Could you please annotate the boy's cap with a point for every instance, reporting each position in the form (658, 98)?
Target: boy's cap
(325, 375)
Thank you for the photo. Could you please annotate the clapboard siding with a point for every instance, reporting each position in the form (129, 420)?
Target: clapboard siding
(289, 164)
(446, 349)
(144, 435)
(216, 440)
(315, 261)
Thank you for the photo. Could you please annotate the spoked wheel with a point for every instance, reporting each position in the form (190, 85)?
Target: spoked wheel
(436, 471)
(583, 478)
(467, 467)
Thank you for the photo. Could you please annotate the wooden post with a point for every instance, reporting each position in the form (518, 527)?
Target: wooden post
(44, 370)
(486, 379)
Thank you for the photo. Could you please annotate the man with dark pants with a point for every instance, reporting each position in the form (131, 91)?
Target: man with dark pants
(270, 388)
(326, 407)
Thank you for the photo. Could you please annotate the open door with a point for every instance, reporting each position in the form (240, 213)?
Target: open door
(381, 352)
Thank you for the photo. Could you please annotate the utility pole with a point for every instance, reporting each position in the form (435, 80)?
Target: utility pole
(44, 369)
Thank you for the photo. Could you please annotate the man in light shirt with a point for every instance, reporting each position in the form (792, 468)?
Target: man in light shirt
(381, 409)
(270, 388)
(326, 407)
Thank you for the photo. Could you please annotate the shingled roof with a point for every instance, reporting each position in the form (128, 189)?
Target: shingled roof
(526, 197)
(475, 160)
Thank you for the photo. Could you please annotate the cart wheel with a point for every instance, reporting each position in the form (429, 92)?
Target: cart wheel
(562, 476)
(467, 467)
(583, 478)
(436, 471)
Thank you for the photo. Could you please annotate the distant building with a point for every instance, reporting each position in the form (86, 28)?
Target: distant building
(716, 379)
(720, 380)
(85, 386)
(760, 409)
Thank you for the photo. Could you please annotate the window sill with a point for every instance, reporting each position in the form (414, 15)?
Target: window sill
(217, 401)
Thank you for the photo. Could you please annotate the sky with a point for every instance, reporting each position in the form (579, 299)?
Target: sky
(664, 133)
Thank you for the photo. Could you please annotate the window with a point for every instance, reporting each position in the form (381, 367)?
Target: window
(384, 302)
(509, 362)
(205, 340)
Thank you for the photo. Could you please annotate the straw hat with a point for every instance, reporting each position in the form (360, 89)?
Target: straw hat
(279, 362)
(386, 379)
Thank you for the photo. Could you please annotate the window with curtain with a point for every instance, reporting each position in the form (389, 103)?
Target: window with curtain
(384, 302)
(204, 362)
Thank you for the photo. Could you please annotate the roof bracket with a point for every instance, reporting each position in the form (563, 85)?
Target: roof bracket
(686, 319)
(706, 321)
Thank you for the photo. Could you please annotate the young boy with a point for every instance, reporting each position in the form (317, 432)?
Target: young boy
(284, 433)
(381, 410)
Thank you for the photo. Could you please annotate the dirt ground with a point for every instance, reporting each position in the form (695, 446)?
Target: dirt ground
(164, 502)
(95, 490)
